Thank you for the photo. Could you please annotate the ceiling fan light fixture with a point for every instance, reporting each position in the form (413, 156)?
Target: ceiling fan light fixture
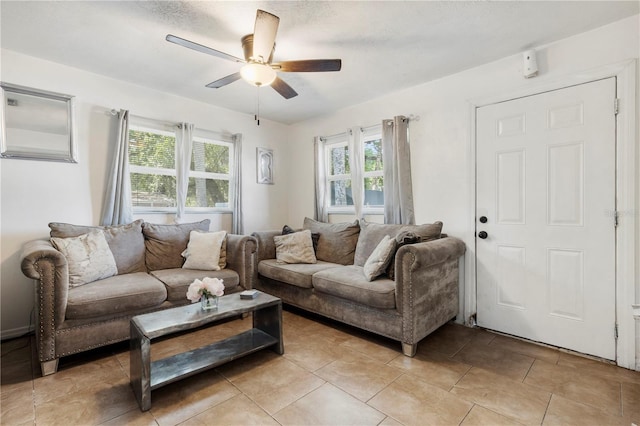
(258, 74)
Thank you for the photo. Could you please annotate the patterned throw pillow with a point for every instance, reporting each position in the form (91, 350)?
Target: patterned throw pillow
(380, 258)
(203, 250)
(88, 257)
(295, 248)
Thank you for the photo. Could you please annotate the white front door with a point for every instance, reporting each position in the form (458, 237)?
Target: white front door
(545, 232)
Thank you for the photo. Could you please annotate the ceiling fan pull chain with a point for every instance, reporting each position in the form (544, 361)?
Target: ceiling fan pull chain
(257, 115)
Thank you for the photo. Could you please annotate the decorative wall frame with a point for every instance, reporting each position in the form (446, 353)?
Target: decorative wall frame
(37, 124)
(264, 165)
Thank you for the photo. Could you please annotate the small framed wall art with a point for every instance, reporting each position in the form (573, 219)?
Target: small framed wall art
(36, 124)
(264, 163)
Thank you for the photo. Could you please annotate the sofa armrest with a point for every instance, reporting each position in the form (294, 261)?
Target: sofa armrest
(266, 246)
(427, 280)
(42, 262)
(241, 257)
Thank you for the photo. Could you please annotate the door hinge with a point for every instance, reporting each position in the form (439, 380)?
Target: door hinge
(615, 331)
(616, 106)
(615, 218)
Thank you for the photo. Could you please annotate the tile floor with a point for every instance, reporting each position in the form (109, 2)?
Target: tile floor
(330, 374)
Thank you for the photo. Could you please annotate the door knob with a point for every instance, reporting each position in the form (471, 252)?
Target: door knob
(482, 235)
(483, 219)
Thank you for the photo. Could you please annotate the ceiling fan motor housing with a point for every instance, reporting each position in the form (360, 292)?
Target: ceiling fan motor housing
(247, 48)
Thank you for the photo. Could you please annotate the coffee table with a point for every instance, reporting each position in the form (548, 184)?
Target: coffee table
(147, 376)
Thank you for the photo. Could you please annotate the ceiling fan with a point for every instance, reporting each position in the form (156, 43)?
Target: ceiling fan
(258, 55)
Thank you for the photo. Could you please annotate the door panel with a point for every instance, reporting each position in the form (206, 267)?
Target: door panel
(546, 183)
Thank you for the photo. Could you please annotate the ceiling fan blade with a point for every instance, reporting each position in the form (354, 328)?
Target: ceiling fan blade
(200, 48)
(309, 65)
(283, 88)
(264, 35)
(224, 81)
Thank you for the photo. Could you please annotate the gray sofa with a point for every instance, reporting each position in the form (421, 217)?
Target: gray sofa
(150, 277)
(417, 294)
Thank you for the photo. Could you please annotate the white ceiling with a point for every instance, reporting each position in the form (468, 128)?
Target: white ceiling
(385, 46)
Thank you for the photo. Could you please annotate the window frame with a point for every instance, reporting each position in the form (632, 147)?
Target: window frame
(199, 135)
(337, 142)
(372, 134)
(163, 130)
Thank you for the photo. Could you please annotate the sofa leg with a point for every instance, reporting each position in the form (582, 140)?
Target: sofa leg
(49, 367)
(409, 349)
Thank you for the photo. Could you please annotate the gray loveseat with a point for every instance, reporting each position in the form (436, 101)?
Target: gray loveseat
(150, 277)
(417, 293)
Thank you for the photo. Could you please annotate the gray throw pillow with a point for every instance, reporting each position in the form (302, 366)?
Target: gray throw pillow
(337, 242)
(125, 241)
(380, 258)
(165, 243)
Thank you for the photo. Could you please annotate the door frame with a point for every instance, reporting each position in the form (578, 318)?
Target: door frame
(627, 186)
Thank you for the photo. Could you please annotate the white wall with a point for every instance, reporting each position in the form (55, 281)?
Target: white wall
(441, 139)
(34, 193)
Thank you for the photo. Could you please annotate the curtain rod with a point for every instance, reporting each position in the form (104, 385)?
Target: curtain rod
(223, 137)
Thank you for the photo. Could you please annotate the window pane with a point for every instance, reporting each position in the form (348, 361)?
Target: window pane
(153, 190)
(339, 161)
(151, 149)
(341, 193)
(210, 157)
(374, 191)
(207, 193)
(373, 155)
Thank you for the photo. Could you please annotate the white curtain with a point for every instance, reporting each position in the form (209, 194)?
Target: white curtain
(398, 192)
(320, 213)
(184, 145)
(356, 156)
(238, 226)
(117, 207)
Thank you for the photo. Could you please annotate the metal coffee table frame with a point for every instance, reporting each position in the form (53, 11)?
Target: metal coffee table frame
(147, 376)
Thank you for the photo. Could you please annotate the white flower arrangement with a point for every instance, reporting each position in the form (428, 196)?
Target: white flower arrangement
(207, 287)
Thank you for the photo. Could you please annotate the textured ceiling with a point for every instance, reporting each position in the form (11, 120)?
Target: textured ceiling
(384, 46)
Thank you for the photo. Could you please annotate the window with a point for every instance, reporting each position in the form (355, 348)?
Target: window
(339, 175)
(209, 174)
(373, 171)
(152, 168)
(339, 172)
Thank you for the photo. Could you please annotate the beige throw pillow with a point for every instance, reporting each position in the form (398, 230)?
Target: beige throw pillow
(203, 250)
(380, 258)
(88, 257)
(295, 248)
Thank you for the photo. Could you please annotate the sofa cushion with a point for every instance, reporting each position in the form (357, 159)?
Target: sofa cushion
(372, 233)
(165, 243)
(125, 241)
(121, 293)
(348, 282)
(295, 274)
(296, 247)
(88, 257)
(203, 250)
(337, 242)
(177, 280)
(380, 258)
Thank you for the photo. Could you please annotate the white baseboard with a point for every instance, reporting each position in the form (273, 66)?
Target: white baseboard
(15, 332)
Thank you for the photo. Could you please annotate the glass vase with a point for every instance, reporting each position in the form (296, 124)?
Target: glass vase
(209, 302)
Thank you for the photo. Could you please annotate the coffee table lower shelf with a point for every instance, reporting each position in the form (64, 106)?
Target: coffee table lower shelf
(176, 367)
